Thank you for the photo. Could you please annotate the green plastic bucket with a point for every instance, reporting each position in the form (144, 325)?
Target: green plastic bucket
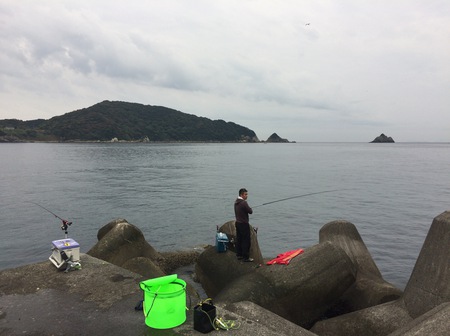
(164, 302)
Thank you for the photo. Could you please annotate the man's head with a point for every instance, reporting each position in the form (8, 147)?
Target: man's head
(243, 193)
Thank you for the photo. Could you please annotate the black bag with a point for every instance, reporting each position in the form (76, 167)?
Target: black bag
(204, 316)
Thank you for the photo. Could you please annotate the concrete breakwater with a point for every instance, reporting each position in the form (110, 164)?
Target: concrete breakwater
(333, 288)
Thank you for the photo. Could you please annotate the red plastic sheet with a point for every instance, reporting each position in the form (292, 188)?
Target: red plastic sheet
(286, 257)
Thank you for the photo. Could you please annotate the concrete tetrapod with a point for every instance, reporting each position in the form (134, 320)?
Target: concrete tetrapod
(302, 291)
(120, 241)
(370, 289)
(427, 288)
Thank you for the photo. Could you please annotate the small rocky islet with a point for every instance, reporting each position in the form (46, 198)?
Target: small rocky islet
(382, 138)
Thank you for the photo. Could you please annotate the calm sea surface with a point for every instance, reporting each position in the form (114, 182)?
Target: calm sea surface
(177, 194)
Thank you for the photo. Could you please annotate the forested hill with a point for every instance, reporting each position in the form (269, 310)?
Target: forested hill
(127, 122)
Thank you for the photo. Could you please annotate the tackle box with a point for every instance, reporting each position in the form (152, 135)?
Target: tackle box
(221, 242)
(64, 247)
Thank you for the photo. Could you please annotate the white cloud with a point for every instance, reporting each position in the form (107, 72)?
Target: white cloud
(309, 71)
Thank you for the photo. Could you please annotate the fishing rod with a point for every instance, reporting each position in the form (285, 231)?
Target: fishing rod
(65, 223)
(304, 195)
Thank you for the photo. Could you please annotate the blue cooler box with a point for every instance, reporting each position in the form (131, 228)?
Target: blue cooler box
(221, 242)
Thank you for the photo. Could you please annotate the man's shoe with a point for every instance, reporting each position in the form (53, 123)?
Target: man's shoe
(248, 260)
(240, 258)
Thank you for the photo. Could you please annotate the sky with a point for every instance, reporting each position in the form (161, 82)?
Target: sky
(308, 70)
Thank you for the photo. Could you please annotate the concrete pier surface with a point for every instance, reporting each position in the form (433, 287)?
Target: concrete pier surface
(100, 299)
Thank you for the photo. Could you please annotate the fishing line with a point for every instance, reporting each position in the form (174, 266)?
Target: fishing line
(292, 197)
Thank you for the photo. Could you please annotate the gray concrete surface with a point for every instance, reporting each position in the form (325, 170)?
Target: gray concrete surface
(427, 289)
(301, 292)
(99, 299)
(436, 322)
(369, 289)
(429, 285)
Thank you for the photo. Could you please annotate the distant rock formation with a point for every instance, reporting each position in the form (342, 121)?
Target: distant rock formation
(383, 139)
(275, 138)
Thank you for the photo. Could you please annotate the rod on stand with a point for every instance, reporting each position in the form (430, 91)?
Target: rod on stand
(65, 223)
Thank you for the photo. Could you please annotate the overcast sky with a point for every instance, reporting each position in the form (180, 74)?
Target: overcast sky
(308, 70)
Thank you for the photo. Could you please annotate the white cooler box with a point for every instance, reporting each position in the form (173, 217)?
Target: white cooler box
(64, 247)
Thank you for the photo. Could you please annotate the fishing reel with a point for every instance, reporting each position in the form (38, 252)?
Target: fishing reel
(65, 225)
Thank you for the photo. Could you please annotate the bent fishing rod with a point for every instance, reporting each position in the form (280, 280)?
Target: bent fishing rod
(304, 195)
(65, 223)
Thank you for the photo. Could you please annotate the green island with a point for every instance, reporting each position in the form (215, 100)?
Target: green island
(116, 121)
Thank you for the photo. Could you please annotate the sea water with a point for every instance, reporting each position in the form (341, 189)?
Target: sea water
(178, 193)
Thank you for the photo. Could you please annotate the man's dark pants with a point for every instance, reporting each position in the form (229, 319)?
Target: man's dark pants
(243, 240)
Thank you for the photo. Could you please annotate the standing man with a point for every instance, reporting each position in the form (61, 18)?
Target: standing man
(241, 211)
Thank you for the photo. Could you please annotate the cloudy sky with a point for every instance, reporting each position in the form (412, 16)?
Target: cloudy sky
(309, 70)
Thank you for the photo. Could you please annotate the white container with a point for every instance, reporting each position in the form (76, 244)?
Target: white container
(64, 247)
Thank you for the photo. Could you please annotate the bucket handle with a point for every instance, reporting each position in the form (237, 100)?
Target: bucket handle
(153, 302)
